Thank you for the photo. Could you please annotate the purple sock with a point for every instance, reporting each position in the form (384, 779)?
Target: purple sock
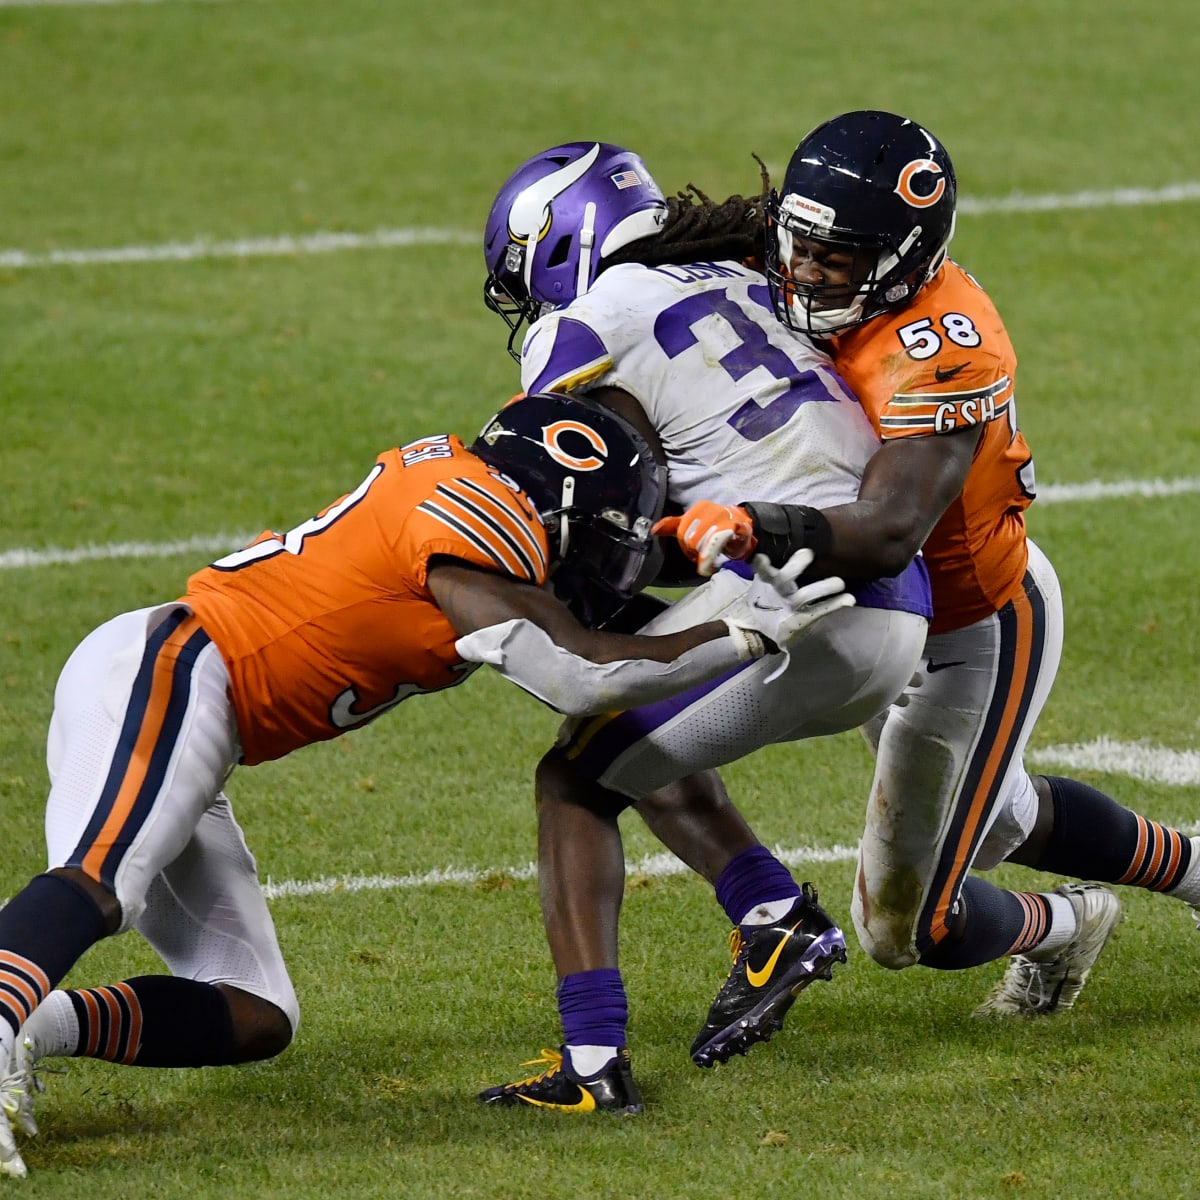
(753, 877)
(593, 1008)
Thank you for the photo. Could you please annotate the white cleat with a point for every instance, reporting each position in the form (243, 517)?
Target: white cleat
(1031, 986)
(11, 1162)
(18, 1086)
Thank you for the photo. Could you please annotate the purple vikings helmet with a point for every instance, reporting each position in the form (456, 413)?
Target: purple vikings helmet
(554, 220)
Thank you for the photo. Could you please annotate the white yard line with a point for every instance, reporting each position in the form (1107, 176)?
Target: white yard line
(51, 556)
(1101, 755)
(1137, 760)
(215, 543)
(297, 245)
(1173, 193)
(1096, 489)
(263, 247)
(657, 866)
(92, 3)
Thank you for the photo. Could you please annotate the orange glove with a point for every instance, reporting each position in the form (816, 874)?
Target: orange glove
(708, 530)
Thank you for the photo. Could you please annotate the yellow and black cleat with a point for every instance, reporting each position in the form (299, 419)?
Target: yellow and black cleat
(772, 965)
(558, 1087)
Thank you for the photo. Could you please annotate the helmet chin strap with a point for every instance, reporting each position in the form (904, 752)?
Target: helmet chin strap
(587, 239)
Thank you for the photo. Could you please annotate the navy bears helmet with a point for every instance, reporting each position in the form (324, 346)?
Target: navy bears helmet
(876, 185)
(597, 487)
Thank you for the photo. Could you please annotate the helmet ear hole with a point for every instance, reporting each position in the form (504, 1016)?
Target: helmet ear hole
(560, 253)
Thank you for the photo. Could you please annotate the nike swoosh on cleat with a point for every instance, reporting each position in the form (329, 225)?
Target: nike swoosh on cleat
(932, 667)
(585, 1103)
(949, 373)
(758, 978)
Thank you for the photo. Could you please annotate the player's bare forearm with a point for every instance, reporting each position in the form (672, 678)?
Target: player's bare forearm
(906, 488)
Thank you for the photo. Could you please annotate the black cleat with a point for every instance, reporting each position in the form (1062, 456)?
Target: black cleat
(611, 1089)
(772, 965)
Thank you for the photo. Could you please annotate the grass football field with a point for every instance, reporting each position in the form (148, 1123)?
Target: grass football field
(240, 254)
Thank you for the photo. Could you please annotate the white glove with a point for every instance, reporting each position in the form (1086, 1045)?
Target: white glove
(776, 608)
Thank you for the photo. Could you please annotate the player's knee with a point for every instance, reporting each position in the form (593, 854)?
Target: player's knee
(559, 781)
(886, 937)
(261, 1029)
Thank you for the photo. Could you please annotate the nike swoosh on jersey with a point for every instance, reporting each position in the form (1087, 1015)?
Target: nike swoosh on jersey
(949, 372)
(932, 667)
(759, 978)
(585, 1103)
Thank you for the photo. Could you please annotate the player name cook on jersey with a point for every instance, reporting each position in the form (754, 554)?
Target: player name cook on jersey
(332, 623)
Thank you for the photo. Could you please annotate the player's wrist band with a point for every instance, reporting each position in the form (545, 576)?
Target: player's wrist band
(749, 642)
(782, 529)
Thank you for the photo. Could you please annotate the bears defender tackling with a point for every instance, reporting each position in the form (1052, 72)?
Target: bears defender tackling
(856, 255)
(439, 560)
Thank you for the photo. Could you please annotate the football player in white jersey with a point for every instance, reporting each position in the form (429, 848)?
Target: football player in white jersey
(684, 343)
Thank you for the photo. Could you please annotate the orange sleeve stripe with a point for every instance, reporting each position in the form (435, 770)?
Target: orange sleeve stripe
(925, 413)
(514, 524)
(490, 526)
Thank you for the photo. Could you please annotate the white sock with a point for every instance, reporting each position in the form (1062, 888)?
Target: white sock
(769, 913)
(1188, 888)
(587, 1060)
(1063, 927)
(54, 1027)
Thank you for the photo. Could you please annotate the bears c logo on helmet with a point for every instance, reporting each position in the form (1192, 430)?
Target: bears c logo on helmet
(905, 187)
(552, 439)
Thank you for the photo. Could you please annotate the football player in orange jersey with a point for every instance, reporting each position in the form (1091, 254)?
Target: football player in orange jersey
(856, 257)
(435, 563)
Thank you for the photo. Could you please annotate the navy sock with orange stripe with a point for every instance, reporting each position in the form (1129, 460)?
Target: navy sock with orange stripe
(997, 923)
(1094, 837)
(44, 929)
(154, 1021)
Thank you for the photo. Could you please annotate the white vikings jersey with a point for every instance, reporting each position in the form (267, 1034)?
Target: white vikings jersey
(746, 409)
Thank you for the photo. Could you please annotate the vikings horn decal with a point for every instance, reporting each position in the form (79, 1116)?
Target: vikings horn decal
(529, 217)
(921, 166)
(552, 433)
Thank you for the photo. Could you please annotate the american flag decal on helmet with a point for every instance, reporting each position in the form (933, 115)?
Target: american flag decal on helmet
(626, 179)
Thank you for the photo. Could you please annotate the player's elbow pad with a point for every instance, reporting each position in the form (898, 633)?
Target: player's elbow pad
(526, 654)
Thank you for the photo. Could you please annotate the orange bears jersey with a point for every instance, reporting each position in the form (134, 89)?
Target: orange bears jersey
(941, 364)
(326, 626)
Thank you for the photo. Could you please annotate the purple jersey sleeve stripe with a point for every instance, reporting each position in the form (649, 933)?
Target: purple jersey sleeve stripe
(577, 357)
